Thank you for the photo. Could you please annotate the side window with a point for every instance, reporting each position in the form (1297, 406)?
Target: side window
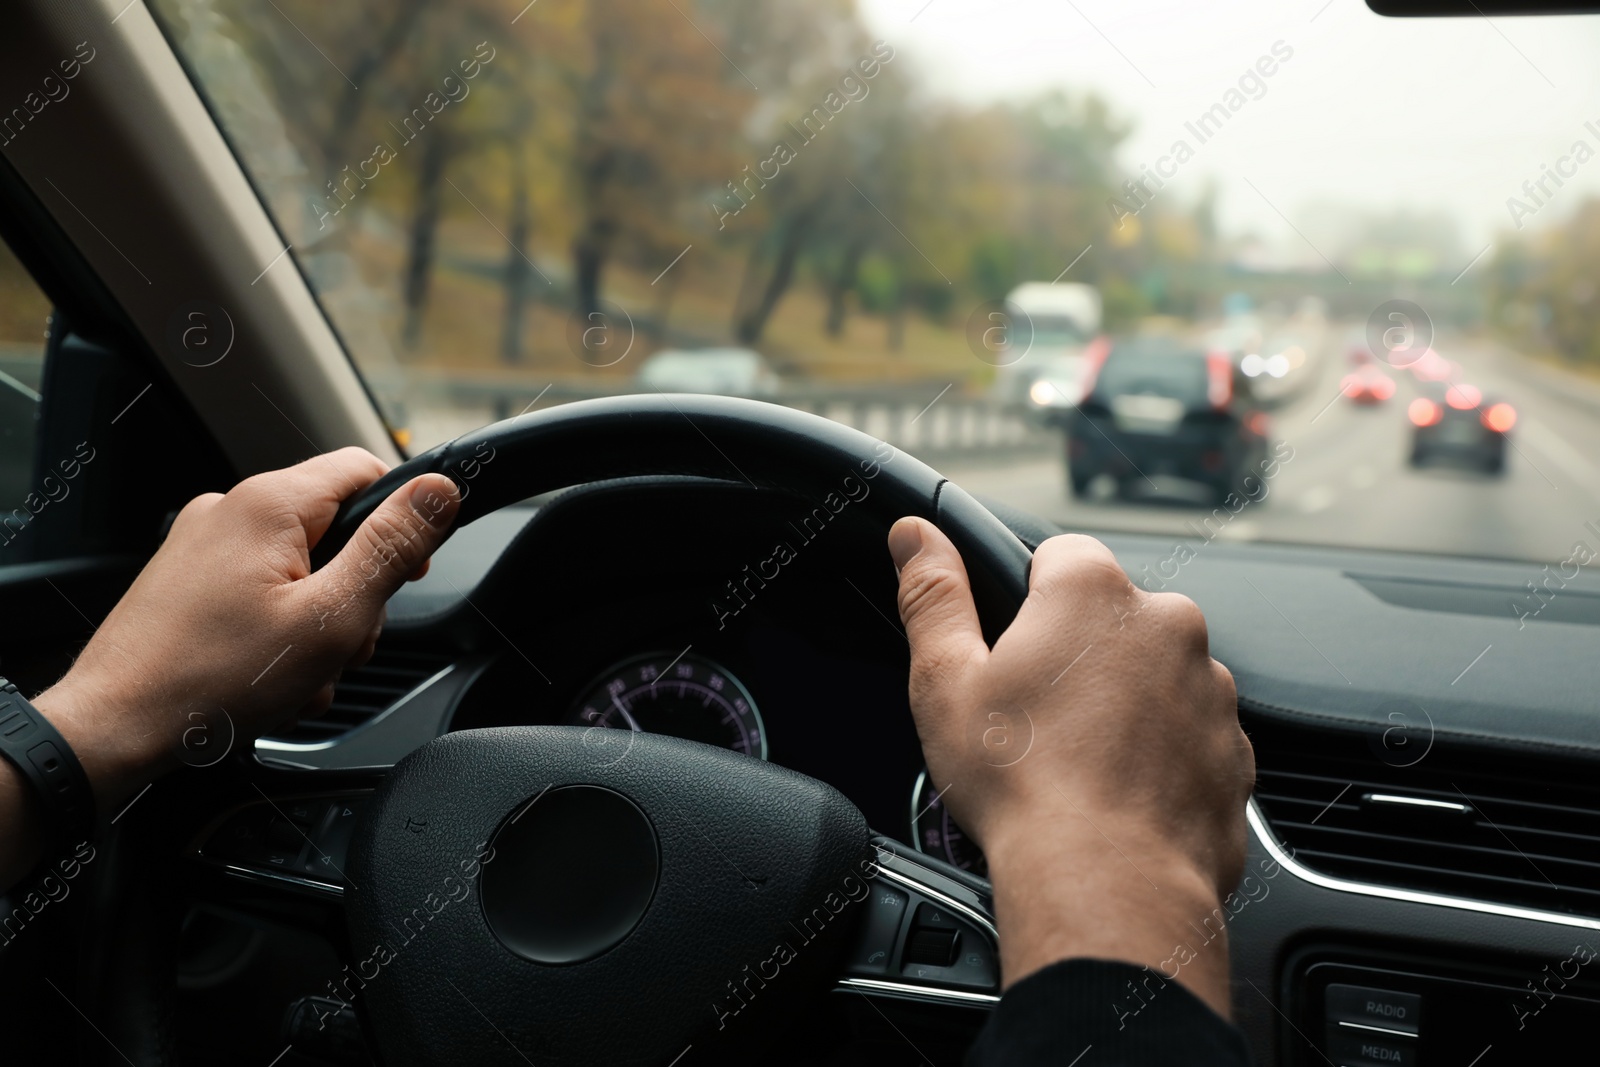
(24, 324)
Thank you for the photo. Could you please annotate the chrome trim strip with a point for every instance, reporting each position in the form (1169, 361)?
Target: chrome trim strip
(917, 992)
(1415, 802)
(1264, 835)
(1377, 1029)
(251, 874)
(264, 744)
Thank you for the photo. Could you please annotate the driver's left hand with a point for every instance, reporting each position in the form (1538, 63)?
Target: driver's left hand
(228, 616)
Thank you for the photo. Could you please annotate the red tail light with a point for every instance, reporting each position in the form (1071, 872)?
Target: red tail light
(1094, 357)
(1462, 397)
(1424, 412)
(1219, 379)
(1258, 423)
(1500, 417)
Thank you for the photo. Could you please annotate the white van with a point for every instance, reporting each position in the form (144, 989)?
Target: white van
(1041, 367)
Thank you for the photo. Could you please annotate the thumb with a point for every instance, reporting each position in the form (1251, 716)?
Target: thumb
(394, 542)
(935, 597)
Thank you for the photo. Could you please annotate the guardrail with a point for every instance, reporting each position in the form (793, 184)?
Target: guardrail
(933, 420)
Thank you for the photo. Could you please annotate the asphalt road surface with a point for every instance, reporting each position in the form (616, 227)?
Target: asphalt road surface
(1349, 482)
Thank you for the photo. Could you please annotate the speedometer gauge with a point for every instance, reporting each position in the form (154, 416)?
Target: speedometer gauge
(682, 695)
(936, 834)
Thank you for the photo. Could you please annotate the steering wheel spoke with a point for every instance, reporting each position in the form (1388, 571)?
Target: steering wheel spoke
(927, 935)
(299, 843)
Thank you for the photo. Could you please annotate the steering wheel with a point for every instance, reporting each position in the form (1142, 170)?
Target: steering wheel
(508, 889)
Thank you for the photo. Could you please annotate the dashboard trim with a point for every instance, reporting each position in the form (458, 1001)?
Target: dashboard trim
(276, 747)
(1263, 833)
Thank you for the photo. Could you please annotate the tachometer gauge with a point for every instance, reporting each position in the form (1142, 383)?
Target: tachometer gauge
(682, 695)
(936, 834)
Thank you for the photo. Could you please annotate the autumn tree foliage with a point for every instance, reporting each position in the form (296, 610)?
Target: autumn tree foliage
(587, 141)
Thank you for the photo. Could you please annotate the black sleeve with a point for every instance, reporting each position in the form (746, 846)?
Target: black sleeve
(1102, 1013)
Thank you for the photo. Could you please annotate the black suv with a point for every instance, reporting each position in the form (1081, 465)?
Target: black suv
(1161, 406)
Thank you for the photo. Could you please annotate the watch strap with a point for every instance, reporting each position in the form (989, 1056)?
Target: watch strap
(42, 756)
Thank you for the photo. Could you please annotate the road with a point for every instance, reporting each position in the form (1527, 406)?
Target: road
(1349, 484)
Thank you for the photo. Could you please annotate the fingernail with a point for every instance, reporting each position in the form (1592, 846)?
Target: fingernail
(905, 541)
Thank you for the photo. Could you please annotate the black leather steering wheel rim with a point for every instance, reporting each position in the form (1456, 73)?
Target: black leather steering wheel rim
(766, 445)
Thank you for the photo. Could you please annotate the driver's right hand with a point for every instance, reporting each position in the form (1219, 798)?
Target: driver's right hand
(1095, 754)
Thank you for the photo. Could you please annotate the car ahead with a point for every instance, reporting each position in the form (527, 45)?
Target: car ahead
(1164, 406)
(1454, 423)
(1367, 384)
(721, 371)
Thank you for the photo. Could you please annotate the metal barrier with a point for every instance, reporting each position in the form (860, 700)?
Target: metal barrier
(932, 420)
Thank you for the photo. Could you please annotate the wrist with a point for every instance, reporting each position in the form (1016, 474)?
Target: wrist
(1066, 888)
(117, 752)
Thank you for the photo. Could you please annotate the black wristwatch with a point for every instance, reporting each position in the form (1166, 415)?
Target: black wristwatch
(43, 757)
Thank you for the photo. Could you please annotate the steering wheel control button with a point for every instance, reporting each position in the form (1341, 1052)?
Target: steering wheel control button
(1382, 1009)
(936, 948)
(923, 941)
(945, 950)
(305, 838)
(880, 929)
(574, 871)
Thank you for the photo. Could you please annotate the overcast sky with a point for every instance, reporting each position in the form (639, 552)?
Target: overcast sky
(1379, 113)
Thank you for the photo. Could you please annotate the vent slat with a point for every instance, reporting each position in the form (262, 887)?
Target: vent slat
(365, 692)
(1290, 831)
(1531, 838)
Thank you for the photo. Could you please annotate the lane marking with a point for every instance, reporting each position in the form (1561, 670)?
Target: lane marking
(1317, 498)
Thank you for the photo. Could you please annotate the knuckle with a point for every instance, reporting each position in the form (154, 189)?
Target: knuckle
(1180, 615)
(1247, 762)
(260, 493)
(1089, 573)
(1226, 686)
(194, 509)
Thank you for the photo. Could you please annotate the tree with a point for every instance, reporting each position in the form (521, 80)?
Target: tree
(656, 123)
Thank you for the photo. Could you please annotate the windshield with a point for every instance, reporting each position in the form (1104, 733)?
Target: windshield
(915, 216)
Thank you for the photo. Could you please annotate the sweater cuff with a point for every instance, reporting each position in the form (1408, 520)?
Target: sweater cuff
(1105, 1013)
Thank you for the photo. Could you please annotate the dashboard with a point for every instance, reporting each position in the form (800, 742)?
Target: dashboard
(1421, 857)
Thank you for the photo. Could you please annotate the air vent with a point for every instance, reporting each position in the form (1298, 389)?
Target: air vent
(366, 691)
(1505, 827)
